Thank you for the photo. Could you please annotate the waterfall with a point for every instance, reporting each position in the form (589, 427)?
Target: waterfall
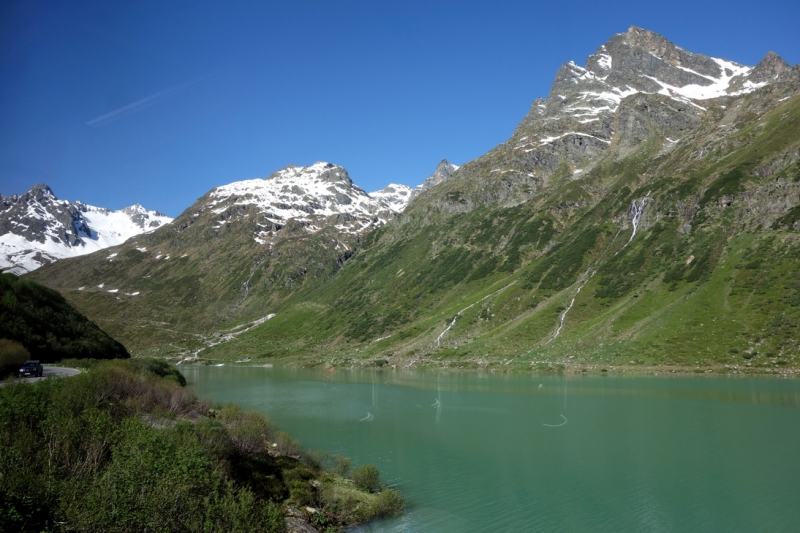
(252, 272)
(635, 210)
(439, 338)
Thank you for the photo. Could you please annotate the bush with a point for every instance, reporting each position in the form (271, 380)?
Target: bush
(249, 430)
(12, 354)
(341, 465)
(388, 502)
(106, 450)
(286, 444)
(366, 477)
(316, 459)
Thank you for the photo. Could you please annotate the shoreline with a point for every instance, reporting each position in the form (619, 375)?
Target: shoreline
(535, 368)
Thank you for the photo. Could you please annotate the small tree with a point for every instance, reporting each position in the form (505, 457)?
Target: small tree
(366, 477)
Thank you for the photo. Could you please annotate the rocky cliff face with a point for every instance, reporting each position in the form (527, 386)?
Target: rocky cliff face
(36, 228)
(443, 171)
(635, 86)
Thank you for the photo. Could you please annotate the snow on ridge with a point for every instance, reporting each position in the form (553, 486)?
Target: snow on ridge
(44, 229)
(304, 194)
(608, 101)
(547, 140)
(395, 195)
(719, 86)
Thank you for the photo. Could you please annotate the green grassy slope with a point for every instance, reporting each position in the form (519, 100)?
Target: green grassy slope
(709, 279)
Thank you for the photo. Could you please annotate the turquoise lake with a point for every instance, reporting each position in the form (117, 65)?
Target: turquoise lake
(495, 453)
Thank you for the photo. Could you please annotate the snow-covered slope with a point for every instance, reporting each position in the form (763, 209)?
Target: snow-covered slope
(399, 196)
(37, 228)
(311, 197)
(395, 195)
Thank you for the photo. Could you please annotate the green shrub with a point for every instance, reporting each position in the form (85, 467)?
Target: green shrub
(316, 459)
(249, 431)
(366, 477)
(388, 502)
(341, 465)
(286, 444)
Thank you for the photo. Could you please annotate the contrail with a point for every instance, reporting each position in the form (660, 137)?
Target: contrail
(129, 107)
(140, 103)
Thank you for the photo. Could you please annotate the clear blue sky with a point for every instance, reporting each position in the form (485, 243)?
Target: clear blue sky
(157, 102)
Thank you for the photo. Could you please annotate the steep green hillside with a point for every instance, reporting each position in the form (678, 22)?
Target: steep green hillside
(47, 326)
(711, 277)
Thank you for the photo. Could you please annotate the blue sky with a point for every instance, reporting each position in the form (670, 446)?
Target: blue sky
(157, 102)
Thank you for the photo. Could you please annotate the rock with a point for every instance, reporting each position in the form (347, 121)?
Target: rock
(769, 68)
(295, 512)
(296, 525)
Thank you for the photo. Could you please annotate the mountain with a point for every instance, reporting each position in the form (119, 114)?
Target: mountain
(443, 171)
(646, 213)
(399, 196)
(240, 250)
(36, 228)
(311, 198)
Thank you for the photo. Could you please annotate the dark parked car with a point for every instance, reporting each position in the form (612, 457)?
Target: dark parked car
(31, 368)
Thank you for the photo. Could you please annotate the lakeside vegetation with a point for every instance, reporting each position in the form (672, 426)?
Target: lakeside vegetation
(125, 446)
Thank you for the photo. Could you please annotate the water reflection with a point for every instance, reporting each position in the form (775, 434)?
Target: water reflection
(756, 391)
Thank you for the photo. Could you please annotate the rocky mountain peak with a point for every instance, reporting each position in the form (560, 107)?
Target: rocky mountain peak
(40, 193)
(319, 171)
(584, 100)
(37, 228)
(312, 197)
(636, 86)
(443, 171)
(769, 68)
(399, 196)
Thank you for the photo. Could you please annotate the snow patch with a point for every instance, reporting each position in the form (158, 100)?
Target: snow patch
(305, 194)
(604, 61)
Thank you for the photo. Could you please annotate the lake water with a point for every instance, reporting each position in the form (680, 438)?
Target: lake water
(518, 453)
